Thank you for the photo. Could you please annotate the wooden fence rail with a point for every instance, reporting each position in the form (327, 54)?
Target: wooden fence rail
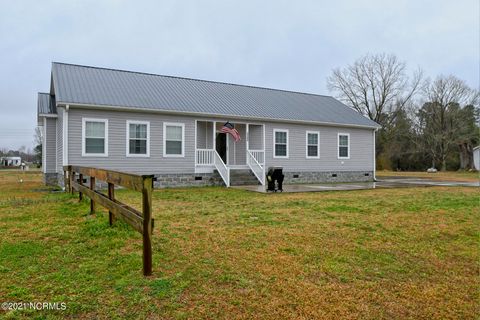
(140, 221)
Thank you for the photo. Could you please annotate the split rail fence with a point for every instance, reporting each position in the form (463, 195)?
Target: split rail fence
(75, 177)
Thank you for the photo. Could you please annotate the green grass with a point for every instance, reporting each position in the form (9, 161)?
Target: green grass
(225, 253)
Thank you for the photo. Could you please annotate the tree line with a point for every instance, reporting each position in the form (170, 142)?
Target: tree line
(28, 155)
(425, 123)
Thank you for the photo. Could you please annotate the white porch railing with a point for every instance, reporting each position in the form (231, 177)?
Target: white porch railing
(222, 168)
(205, 157)
(257, 169)
(259, 155)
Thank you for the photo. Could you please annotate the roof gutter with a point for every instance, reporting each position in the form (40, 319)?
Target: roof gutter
(41, 116)
(48, 115)
(190, 113)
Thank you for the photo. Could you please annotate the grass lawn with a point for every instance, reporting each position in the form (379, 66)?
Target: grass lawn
(231, 254)
(464, 176)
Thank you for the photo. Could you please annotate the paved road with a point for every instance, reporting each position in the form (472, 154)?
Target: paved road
(382, 182)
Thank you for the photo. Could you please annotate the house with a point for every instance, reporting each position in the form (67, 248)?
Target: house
(476, 157)
(171, 127)
(11, 161)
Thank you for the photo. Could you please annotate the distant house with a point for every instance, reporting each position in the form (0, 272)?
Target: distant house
(476, 157)
(11, 161)
(172, 127)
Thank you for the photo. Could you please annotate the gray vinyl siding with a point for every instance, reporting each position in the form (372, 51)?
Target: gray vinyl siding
(204, 135)
(238, 150)
(201, 135)
(117, 158)
(361, 149)
(255, 139)
(50, 145)
(209, 133)
(361, 144)
(59, 155)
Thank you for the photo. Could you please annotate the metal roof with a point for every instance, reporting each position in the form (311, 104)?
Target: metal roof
(46, 104)
(85, 85)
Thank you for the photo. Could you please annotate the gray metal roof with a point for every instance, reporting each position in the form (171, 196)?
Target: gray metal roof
(84, 85)
(45, 105)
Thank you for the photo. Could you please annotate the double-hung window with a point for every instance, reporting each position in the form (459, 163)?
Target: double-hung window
(94, 137)
(313, 144)
(138, 138)
(173, 139)
(280, 141)
(343, 146)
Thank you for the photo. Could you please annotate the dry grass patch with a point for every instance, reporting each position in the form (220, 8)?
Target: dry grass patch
(462, 176)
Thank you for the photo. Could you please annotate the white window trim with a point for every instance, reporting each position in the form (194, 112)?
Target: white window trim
(137, 155)
(338, 145)
(175, 124)
(318, 144)
(274, 144)
(84, 121)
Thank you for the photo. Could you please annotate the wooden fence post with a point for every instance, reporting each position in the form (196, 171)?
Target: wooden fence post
(92, 187)
(65, 180)
(111, 196)
(140, 221)
(80, 194)
(147, 225)
(71, 177)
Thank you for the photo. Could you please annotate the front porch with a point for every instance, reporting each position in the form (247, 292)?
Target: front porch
(216, 150)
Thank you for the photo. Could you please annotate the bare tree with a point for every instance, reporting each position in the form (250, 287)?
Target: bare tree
(376, 86)
(37, 137)
(447, 90)
(37, 142)
(445, 97)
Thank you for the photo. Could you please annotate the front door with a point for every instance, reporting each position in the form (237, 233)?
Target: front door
(221, 146)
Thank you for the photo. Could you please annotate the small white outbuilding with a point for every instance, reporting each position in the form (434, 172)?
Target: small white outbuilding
(11, 161)
(476, 157)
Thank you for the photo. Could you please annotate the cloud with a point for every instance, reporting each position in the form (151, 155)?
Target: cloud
(281, 44)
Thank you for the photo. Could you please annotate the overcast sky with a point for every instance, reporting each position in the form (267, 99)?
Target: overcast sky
(290, 45)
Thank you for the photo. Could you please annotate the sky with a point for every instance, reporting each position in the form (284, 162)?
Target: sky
(292, 45)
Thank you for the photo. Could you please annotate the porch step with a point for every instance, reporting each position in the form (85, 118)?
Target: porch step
(242, 177)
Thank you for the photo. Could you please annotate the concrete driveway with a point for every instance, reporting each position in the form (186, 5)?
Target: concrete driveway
(382, 182)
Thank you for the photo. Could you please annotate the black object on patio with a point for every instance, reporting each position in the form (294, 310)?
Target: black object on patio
(275, 178)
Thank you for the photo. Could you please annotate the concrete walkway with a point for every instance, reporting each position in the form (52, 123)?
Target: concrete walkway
(383, 182)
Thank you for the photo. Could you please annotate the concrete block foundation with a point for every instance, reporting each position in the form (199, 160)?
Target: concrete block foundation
(177, 180)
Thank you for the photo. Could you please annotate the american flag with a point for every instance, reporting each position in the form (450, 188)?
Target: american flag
(229, 128)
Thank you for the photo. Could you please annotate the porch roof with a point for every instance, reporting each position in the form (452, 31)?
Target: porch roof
(93, 86)
(46, 104)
